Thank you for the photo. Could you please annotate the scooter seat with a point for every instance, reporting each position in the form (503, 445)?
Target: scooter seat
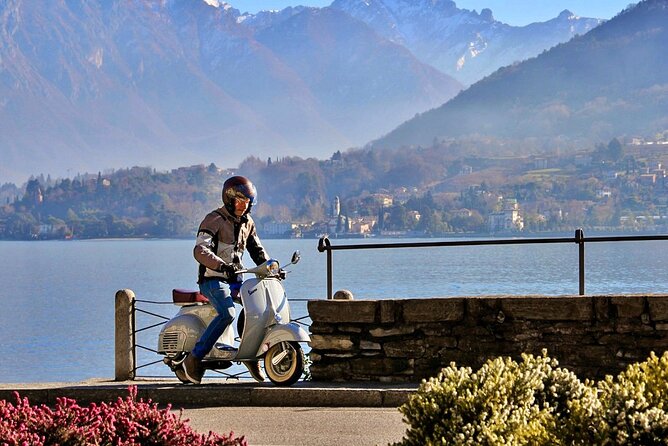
(188, 297)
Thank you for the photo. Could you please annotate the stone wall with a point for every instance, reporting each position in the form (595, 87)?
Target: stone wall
(405, 340)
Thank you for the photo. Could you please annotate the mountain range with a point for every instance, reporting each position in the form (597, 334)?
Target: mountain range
(609, 82)
(95, 84)
(464, 44)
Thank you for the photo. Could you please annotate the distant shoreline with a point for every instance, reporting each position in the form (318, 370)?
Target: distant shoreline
(500, 235)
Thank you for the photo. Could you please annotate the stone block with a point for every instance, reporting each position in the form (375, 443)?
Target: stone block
(317, 397)
(396, 331)
(473, 332)
(658, 307)
(319, 327)
(382, 366)
(368, 345)
(628, 307)
(629, 356)
(561, 328)
(349, 329)
(331, 342)
(468, 344)
(564, 340)
(35, 396)
(437, 342)
(436, 329)
(387, 309)
(634, 327)
(339, 355)
(342, 311)
(522, 336)
(584, 355)
(189, 396)
(548, 308)
(395, 398)
(447, 358)
(482, 308)
(404, 349)
(615, 339)
(433, 310)
(330, 372)
(602, 308)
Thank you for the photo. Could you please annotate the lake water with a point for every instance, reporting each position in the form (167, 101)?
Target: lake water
(57, 317)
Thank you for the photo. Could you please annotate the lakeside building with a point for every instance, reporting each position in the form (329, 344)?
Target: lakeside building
(278, 229)
(508, 219)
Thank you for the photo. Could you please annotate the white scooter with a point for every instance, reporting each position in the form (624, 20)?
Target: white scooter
(264, 328)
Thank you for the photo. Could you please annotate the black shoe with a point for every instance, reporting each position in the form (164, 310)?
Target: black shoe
(192, 369)
(181, 375)
(255, 370)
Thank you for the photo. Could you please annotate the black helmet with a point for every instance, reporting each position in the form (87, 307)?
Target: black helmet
(238, 187)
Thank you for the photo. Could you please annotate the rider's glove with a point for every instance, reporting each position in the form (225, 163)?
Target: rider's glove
(229, 270)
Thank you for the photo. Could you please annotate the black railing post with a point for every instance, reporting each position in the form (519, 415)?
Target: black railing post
(325, 245)
(579, 239)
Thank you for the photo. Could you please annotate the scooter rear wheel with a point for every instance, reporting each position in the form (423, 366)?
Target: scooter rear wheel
(284, 363)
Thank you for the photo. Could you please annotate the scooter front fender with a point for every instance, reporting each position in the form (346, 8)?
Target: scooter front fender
(282, 332)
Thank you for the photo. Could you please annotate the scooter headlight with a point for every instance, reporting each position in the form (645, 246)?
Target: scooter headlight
(273, 267)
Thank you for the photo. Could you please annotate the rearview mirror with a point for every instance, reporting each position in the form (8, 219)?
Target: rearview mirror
(296, 256)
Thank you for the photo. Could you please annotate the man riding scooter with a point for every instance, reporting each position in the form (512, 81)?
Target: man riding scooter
(222, 237)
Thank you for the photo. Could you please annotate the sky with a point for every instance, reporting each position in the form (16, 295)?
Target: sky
(512, 12)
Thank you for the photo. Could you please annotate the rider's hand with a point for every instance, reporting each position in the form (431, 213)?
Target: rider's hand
(229, 270)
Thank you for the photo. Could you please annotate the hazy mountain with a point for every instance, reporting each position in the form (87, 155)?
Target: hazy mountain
(362, 81)
(92, 84)
(610, 82)
(464, 44)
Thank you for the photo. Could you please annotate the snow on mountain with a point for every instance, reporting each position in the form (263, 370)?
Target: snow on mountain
(464, 44)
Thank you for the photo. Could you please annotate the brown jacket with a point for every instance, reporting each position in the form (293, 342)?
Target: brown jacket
(222, 239)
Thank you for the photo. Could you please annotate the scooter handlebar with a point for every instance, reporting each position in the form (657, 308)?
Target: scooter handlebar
(271, 267)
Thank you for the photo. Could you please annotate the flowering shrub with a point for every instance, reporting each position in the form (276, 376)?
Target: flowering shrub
(635, 404)
(534, 402)
(127, 422)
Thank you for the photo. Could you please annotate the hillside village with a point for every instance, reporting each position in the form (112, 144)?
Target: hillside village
(620, 186)
(618, 193)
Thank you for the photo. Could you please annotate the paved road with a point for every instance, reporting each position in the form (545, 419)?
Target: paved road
(295, 426)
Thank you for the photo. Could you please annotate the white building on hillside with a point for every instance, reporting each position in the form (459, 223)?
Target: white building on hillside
(508, 219)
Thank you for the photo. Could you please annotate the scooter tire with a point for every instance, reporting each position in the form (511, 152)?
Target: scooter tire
(284, 363)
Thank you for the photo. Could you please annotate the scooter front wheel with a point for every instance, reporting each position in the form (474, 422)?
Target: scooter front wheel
(284, 363)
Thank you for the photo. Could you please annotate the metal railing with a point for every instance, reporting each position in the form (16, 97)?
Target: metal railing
(324, 245)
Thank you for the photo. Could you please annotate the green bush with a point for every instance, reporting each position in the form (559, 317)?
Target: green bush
(535, 402)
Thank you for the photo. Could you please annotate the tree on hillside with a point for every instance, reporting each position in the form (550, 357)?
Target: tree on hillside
(615, 150)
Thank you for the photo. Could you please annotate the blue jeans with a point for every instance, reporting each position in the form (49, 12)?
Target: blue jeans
(219, 295)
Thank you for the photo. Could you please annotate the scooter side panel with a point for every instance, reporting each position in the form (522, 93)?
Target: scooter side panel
(181, 333)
